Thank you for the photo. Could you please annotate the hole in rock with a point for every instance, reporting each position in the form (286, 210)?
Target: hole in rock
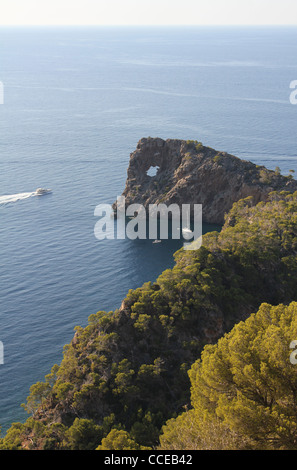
(152, 171)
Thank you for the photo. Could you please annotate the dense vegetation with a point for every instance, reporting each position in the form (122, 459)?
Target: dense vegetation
(244, 389)
(125, 374)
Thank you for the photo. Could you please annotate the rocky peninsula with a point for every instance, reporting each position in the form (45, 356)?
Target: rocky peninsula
(187, 172)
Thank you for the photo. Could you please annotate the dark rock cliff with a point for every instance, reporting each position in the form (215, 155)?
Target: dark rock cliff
(190, 173)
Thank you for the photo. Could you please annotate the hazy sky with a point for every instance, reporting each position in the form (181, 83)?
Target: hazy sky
(147, 12)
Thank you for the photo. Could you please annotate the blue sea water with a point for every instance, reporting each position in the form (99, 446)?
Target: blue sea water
(77, 100)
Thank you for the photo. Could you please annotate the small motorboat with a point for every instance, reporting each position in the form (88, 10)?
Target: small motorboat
(41, 191)
(186, 230)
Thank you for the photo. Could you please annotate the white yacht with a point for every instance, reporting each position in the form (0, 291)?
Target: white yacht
(41, 191)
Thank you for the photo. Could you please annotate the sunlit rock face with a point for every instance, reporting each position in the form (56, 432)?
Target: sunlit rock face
(186, 172)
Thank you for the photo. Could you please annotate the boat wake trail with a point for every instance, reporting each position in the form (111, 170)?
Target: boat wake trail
(8, 198)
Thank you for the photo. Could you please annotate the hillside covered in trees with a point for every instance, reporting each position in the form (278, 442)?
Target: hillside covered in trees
(124, 379)
(243, 389)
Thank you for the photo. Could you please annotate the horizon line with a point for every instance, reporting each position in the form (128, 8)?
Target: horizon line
(249, 25)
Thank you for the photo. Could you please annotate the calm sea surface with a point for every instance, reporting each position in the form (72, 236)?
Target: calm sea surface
(77, 100)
